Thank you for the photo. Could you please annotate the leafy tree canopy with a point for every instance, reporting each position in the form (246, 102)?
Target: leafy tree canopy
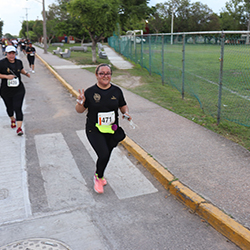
(98, 17)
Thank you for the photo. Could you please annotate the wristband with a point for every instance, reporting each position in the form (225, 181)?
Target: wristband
(126, 116)
(79, 101)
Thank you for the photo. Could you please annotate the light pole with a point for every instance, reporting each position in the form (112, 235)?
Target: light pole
(27, 24)
(172, 26)
(44, 27)
(44, 30)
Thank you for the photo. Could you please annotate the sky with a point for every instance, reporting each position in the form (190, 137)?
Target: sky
(14, 12)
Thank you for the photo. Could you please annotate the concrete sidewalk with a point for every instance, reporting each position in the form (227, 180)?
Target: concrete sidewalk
(189, 160)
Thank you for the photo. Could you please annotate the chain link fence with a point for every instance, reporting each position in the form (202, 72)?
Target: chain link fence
(211, 66)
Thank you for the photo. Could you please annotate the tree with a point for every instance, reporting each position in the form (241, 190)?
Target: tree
(98, 17)
(8, 36)
(156, 22)
(182, 15)
(187, 17)
(227, 22)
(200, 16)
(233, 17)
(51, 29)
(64, 22)
(38, 30)
(133, 14)
(23, 32)
(1, 28)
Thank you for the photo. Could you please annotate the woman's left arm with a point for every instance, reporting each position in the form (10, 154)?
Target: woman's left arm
(25, 73)
(124, 110)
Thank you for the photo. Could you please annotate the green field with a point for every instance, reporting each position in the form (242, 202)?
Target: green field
(202, 74)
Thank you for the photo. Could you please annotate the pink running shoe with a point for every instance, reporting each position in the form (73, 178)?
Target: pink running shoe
(104, 181)
(98, 186)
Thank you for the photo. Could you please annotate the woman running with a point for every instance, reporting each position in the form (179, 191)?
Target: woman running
(102, 127)
(12, 89)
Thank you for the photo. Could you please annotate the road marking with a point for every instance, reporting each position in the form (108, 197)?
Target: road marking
(14, 197)
(63, 182)
(125, 179)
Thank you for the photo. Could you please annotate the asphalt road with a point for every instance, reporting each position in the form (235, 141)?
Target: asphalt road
(135, 211)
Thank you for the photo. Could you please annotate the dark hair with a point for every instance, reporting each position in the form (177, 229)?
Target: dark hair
(102, 65)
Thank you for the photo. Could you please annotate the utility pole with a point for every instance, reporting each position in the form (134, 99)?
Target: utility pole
(27, 26)
(44, 29)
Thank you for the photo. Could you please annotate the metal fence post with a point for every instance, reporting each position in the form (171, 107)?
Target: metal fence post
(130, 49)
(135, 46)
(221, 75)
(162, 60)
(141, 51)
(150, 55)
(183, 66)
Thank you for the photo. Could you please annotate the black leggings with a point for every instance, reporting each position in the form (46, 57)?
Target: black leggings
(14, 104)
(31, 60)
(101, 144)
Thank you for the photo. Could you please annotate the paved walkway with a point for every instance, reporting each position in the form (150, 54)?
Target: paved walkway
(206, 163)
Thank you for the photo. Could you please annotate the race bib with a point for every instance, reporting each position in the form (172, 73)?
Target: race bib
(13, 83)
(32, 54)
(106, 118)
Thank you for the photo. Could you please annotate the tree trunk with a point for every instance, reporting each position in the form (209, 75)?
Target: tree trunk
(82, 40)
(94, 51)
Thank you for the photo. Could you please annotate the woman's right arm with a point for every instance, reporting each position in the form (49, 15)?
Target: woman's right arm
(80, 102)
(10, 77)
(80, 108)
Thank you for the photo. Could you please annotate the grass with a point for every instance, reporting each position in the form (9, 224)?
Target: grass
(202, 72)
(79, 57)
(169, 97)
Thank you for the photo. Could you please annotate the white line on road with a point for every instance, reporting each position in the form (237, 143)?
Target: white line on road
(125, 179)
(14, 196)
(63, 182)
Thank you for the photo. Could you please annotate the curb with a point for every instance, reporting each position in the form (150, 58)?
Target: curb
(64, 83)
(224, 224)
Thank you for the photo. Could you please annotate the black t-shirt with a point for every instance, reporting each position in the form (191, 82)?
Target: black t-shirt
(22, 44)
(102, 100)
(5, 68)
(30, 49)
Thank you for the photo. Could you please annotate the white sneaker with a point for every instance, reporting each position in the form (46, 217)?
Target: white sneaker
(33, 71)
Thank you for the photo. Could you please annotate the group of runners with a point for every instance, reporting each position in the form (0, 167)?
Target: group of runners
(25, 46)
(102, 101)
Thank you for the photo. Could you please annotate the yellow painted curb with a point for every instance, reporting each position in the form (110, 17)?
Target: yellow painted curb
(225, 225)
(187, 196)
(64, 83)
(215, 217)
(163, 176)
